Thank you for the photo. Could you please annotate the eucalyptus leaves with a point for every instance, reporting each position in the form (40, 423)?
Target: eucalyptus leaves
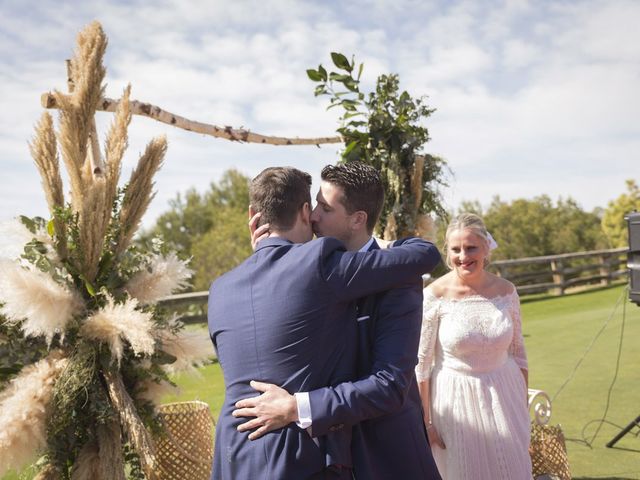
(383, 128)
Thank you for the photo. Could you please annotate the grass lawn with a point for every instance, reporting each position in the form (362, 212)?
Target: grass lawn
(557, 331)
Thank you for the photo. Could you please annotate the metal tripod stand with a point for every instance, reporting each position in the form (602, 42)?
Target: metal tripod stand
(624, 431)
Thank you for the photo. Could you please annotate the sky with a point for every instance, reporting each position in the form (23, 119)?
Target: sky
(531, 97)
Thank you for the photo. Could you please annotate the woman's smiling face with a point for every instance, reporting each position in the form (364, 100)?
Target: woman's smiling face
(467, 252)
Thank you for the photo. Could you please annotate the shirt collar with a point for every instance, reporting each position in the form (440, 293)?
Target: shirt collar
(272, 242)
(367, 246)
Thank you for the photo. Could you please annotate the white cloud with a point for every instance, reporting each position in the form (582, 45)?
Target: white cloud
(531, 97)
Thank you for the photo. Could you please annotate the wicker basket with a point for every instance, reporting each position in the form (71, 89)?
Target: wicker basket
(548, 452)
(185, 452)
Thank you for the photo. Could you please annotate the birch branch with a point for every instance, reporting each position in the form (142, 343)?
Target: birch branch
(228, 133)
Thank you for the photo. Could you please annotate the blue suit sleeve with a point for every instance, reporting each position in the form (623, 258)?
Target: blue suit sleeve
(353, 275)
(384, 390)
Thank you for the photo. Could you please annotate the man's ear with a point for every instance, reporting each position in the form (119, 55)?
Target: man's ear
(359, 220)
(252, 212)
(305, 213)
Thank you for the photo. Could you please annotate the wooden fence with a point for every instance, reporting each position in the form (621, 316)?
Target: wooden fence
(553, 273)
(557, 273)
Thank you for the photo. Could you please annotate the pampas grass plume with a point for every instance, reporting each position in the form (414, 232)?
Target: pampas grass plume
(191, 348)
(33, 298)
(164, 276)
(14, 236)
(117, 322)
(155, 391)
(23, 412)
(139, 191)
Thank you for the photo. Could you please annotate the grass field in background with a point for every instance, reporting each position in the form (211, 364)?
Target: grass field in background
(557, 332)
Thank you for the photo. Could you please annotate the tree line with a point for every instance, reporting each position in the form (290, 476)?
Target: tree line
(211, 227)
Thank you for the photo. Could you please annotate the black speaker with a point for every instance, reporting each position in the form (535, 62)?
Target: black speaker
(633, 257)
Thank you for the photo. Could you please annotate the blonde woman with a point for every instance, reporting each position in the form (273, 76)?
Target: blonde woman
(472, 365)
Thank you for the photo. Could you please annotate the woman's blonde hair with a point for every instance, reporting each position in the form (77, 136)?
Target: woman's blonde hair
(466, 221)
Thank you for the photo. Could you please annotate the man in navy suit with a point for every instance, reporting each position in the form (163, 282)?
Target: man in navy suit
(285, 316)
(389, 438)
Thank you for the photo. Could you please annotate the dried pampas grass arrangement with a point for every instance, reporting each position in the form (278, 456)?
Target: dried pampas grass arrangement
(74, 282)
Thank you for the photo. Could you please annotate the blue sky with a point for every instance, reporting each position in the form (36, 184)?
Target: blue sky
(532, 97)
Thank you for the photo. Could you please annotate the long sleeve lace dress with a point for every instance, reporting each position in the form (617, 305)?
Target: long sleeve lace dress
(471, 350)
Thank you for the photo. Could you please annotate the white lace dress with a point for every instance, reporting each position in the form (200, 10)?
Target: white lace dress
(472, 351)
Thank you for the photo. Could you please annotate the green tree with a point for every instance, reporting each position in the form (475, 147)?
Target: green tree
(384, 129)
(613, 222)
(209, 228)
(538, 226)
(222, 248)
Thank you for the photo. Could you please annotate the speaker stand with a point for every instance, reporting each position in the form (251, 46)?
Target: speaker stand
(624, 431)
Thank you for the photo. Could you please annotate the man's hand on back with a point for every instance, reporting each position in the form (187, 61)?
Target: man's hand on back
(274, 408)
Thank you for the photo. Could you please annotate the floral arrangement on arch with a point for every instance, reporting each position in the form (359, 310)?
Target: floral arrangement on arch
(85, 351)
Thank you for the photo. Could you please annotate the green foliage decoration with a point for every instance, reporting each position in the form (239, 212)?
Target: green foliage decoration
(384, 129)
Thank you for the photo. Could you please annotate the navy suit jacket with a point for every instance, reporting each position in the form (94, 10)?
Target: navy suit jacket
(286, 316)
(389, 437)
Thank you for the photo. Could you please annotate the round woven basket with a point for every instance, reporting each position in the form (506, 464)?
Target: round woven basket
(548, 452)
(186, 450)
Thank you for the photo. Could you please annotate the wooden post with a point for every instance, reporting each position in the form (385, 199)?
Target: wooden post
(605, 270)
(498, 269)
(558, 276)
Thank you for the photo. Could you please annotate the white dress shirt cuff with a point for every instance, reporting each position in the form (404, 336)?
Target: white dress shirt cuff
(304, 410)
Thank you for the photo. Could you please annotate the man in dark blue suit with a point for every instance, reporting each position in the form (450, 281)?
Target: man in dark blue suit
(389, 438)
(285, 316)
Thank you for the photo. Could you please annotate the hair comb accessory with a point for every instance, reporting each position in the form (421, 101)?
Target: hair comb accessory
(492, 243)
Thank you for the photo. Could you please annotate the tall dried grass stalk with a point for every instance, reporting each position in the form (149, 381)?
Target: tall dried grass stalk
(116, 144)
(72, 153)
(93, 224)
(77, 110)
(24, 407)
(34, 299)
(87, 75)
(139, 192)
(134, 428)
(44, 151)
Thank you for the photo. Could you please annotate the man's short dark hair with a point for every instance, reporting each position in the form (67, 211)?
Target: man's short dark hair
(362, 187)
(279, 193)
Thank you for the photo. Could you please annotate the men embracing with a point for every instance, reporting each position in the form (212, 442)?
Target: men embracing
(328, 330)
